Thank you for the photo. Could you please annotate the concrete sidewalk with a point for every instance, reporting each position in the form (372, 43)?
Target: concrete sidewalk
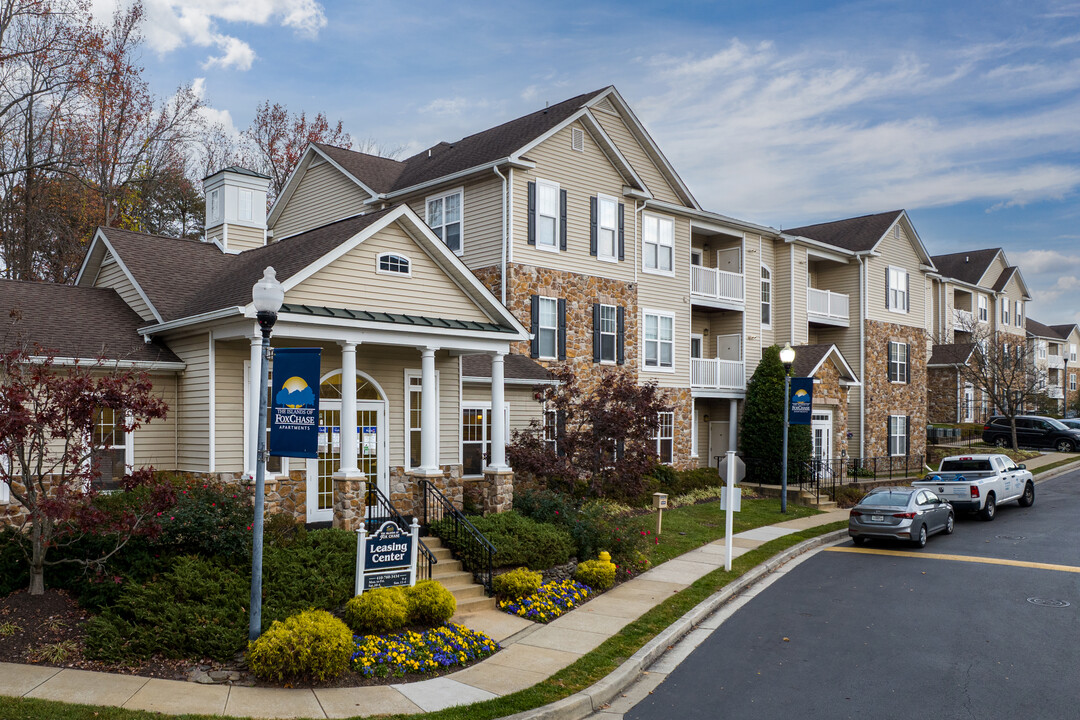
(531, 654)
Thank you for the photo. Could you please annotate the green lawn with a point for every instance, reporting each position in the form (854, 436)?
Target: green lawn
(1054, 465)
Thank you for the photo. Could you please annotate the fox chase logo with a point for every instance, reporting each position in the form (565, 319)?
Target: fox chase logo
(294, 405)
(801, 396)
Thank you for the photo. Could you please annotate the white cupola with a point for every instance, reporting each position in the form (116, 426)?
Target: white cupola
(236, 208)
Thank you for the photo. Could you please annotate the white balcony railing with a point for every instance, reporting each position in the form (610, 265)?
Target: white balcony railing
(963, 319)
(717, 284)
(827, 304)
(717, 374)
(1056, 362)
(1055, 392)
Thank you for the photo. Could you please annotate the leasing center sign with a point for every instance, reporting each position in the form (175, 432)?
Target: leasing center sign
(294, 403)
(386, 558)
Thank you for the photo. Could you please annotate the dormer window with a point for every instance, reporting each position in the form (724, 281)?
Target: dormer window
(396, 264)
(444, 217)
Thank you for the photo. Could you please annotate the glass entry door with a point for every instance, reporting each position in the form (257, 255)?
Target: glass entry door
(370, 449)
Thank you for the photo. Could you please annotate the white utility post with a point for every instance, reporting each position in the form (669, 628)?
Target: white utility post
(729, 514)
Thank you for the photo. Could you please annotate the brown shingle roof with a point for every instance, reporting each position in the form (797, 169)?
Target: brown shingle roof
(952, 354)
(1064, 330)
(1036, 328)
(856, 234)
(807, 358)
(515, 367)
(1006, 276)
(384, 175)
(968, 266)
(77, 322)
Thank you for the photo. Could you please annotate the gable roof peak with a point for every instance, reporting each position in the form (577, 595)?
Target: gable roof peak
(858, 234)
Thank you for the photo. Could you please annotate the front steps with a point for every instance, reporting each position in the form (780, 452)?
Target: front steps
(448, 572)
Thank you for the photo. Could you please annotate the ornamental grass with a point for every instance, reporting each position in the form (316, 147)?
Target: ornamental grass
(549, 602)
(406, 653)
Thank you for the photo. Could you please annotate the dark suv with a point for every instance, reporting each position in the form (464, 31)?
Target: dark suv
(1031, 431)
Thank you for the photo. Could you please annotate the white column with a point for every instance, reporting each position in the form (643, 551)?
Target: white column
(252, 423)
(733, 425)
(429, 414)
(348, 468)
(498, 423)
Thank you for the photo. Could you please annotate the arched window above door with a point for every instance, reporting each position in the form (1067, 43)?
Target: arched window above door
(366, 389)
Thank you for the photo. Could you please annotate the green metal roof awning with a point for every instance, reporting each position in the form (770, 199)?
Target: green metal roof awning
(395, 318)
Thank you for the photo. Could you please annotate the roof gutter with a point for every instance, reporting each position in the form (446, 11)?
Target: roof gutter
(192, 320)
(706, 215)
(818, 244)
(98, 362)
(443, 179)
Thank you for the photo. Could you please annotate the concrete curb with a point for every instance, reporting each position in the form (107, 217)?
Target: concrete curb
(1050, 474)
(582, 704)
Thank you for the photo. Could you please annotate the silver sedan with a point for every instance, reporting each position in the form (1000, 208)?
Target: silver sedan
(900, 513)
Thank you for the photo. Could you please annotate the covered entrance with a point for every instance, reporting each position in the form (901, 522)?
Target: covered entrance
(372, 450)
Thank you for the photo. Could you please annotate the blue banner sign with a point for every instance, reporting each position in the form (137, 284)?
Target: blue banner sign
(801, 401)
(294, 403)
(388, 547)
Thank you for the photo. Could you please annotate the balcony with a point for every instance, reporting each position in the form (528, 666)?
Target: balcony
(1056, 362)
(827, 307)
(963, 320)
(715, 374)
(727, 289)
(1055, 392)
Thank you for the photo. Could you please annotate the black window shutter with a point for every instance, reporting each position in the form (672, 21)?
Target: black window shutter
(532, 214)
(892, 365)
(622, 234)
(534, 348)
(562, 219)
(562, 328)
(596, 332)
(560, 432)
(887, 306)
(620, 341)
(907, 291)
(888, 436)
(907, 434)
(592, 225)
(907, 363)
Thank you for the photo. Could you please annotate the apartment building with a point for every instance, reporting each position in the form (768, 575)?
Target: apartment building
(1053, 349)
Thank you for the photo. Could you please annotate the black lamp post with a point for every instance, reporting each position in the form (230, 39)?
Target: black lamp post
(267, 295)
(787, 356)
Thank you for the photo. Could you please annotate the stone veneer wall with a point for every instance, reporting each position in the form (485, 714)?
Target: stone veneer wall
(941, 395)
(884, 398)
(490, 277)
(829, 393)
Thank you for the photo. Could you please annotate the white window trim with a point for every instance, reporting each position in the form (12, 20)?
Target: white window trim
(659, 437)
(555, 417)
(409, 375)
(1072, 352)
(894, 288)
(485, 407)
(658, 313)
(700, 337)
(1072, 381)
(901, 425)
(442, 196)
(614, 257)
(1005, 312)
(128, 446)
(245, 200)
(984, 309)
(767, 269)
(906, 363)
(380, 271)
(558, 195)
(614, 335)
(1018, 313)
(657, 270)
(248, 429)
(539, 327)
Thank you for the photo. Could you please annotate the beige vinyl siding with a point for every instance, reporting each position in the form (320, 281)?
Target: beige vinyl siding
(845, 279)
(895, 253)
(993, 272)
(111, 275)
(800, 282)
(229, 411)
(243, 237)
(759, 251)
(667, 294)
(582, 175)
(215, 233)
(352, 282)
(1012, 294)
(717, 324)
(193, 403)
(523, 406)
(323, 195)
(155, 442)
(481, 219)
(635, 154)
(777, 257)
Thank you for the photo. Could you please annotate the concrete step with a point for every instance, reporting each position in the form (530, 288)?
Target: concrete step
(464, 592)
(446, 567)
(456, 578)
(442, 554)
(471, 605)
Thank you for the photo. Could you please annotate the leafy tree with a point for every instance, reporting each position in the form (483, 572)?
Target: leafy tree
(761, 432)
(603, 438)
(47, 450)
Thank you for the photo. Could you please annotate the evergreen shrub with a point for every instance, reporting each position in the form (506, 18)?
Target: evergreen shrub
(597, 574)
(519, 541)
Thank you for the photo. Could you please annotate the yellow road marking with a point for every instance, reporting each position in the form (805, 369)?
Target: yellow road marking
(958, 558)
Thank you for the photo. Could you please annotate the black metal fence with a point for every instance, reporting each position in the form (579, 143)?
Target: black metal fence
(468, 544)
(965, 437)
(821, 476)
(380, 510)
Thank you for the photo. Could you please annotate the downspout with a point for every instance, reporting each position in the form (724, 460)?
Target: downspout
(502, 274)
(862, 355)
(637, 223)
(791, 284)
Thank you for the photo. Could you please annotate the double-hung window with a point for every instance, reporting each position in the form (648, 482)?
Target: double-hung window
(548, 327)
(1018, 314)
(659, 341)
(1005, 311)
(607, 228)
(766, 297)
(547, 215)
(1072, 352)
(898, 435)
(898, 362)
(476, 437)
(984, 314)
(658, 240)
(665, 437)
(245, 202)
(414, 391)
(1072, 381)
(608, 332)
(111, 445)
(444, 217)
(896, 289)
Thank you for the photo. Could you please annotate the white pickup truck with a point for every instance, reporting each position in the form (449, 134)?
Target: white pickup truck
(979, 483)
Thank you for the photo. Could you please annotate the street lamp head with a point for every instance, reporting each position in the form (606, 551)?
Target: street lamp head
(787, 356)
(267, 294)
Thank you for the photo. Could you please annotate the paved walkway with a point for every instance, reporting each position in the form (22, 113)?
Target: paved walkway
(531, 653)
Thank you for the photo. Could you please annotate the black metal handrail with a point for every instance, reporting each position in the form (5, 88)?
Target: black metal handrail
(379, 509)
(466, 542)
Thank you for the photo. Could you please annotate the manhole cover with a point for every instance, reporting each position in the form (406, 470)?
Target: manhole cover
(1044, 602)
(1009, 537)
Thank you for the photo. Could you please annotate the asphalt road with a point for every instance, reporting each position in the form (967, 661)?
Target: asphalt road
(893, 632)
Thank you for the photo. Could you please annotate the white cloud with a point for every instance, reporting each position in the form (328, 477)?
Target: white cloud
(237, 54)
(1035, 262)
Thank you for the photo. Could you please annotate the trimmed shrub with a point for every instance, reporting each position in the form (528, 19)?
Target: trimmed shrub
(14, 569)
(518, 540)
(313, 645)
(430, 603)
(314, 570)
(209, 519)
(379, 611)
(517, 583)
(597, 574)
(847, 496)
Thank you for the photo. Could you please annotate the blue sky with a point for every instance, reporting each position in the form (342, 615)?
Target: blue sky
(785, 113)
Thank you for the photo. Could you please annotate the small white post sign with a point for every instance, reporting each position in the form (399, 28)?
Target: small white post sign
(387, 558)
(731, 502)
